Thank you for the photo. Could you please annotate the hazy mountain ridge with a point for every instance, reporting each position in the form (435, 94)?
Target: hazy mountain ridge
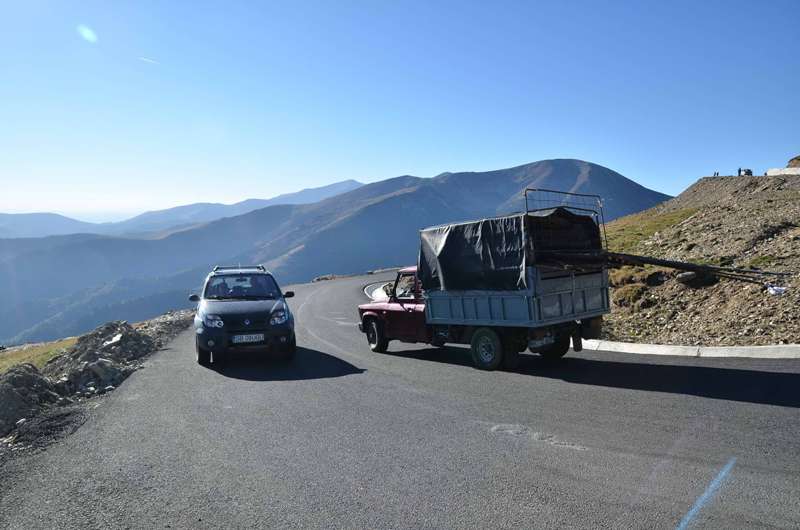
(373, 226)
(30, 225)
(192, 214)
(36, 225)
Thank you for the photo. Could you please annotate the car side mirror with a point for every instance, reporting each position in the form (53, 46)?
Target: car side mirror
(288, 294)
(194, 298)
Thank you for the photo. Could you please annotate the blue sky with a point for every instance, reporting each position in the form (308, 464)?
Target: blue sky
(112, 108)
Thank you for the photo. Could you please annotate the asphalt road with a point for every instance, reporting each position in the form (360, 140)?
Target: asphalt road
(345, 438)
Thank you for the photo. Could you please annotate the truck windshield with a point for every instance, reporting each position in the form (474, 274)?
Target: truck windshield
(405, 286)
(241, 287)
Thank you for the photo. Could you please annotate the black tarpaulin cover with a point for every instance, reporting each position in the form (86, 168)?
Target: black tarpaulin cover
(560, 230)
(491, 254)
(486, 254)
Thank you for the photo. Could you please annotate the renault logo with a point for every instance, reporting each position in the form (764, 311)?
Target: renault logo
(246, 322)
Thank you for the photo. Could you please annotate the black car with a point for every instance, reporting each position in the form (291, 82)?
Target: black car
(242, 309)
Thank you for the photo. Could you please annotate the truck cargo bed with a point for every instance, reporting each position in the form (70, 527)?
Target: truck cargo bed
(551, 298)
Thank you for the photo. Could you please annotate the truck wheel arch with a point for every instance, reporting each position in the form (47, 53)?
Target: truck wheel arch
(369, 315)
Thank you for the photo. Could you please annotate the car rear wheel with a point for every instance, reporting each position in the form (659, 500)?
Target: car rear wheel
(376, 337)
(486, 349)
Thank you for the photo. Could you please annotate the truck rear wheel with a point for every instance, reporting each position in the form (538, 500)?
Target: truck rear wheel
(558, 349)
(487, 349)
(376, 337)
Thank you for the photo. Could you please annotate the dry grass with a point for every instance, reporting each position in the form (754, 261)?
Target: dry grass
(625, 233)
(36, 354)
(762, 262)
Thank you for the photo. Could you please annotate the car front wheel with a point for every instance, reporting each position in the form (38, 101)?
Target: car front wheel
(203, 356)
(290, 349)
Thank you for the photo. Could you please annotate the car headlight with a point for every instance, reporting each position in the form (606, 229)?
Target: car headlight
(278, 317)
(213, 321)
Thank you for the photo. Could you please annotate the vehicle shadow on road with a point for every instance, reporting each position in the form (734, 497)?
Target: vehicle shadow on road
(307, 364)
(733, 384)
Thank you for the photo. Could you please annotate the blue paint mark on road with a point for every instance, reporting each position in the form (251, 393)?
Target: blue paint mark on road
(707, 495)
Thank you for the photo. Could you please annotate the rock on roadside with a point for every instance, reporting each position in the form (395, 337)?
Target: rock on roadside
(23, 392)
(98, 362)
(103, 357)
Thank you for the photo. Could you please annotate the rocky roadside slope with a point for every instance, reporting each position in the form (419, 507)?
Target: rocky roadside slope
(732, 221)
(35, 404)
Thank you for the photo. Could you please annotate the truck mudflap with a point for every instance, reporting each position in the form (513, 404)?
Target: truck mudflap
(577, 343)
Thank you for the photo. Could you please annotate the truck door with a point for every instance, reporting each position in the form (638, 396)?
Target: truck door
(401, 322)
(417, 315)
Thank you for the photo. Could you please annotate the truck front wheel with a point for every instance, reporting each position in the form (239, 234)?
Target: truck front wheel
(487, 349)
(376, 337)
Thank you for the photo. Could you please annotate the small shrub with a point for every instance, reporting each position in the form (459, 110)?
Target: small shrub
(648, 275)
(759, 262)
(628, 295)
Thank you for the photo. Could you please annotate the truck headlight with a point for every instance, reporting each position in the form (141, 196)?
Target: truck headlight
(213, 321)
(278, 317)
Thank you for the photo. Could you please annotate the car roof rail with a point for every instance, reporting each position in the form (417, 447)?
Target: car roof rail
(237, 267)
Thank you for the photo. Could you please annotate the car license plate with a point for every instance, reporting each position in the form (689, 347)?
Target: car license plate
(256, 337)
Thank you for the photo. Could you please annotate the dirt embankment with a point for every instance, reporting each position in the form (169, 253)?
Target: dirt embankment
(33, 400)
(751, 222)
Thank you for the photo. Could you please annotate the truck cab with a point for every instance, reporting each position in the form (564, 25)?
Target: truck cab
(401, 316)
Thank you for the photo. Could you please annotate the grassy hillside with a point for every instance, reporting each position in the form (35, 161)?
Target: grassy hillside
(626, 234)
(36, 354)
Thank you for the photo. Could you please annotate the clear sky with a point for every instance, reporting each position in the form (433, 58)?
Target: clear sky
(111, 108)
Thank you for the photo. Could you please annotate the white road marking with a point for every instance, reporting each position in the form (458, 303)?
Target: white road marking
(522, 430)
(707, 495)
(308, 329)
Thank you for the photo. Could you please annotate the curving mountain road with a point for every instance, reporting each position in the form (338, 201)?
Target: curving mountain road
(343, 437)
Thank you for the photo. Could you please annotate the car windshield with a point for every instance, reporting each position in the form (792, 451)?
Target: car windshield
(241, 287)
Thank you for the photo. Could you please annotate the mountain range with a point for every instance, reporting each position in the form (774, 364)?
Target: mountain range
(153, 223)
(63, 285)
